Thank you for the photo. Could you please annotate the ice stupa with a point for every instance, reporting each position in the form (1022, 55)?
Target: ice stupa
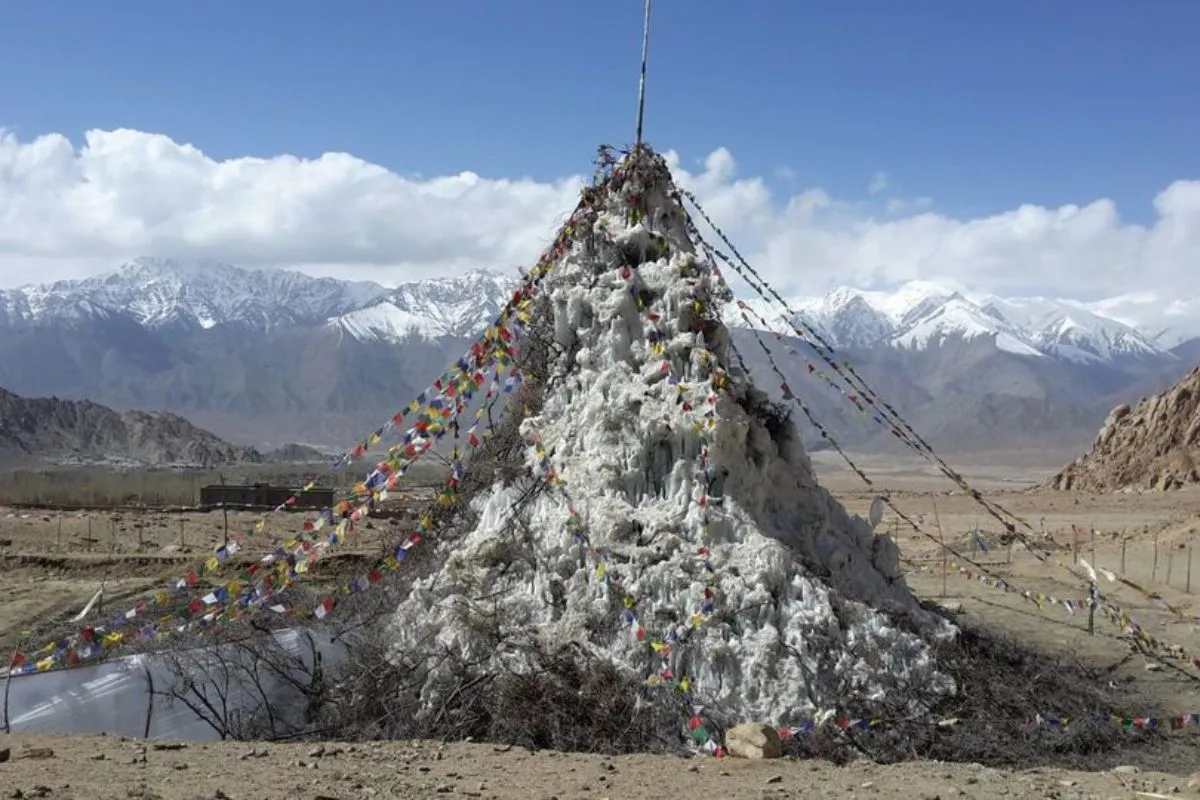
(666, 518)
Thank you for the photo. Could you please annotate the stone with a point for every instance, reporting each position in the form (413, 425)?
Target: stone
(751, 740)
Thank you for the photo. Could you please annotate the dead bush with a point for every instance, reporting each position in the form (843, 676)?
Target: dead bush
(1003, 685)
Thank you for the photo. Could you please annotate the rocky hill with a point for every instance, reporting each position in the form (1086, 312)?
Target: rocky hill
(45, 430)
(1153, 445)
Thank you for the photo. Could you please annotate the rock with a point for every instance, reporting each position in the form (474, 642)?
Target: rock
(1153, 446)
(5, 754)
(38, 752)
(1125, 769)
(1193, 781)
(775, 779)
(1154, 666)
(751, 740)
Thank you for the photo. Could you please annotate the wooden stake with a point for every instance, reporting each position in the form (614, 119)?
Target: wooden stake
(942, 540)
(225, 511)
(1154, 568)
(1092, 610)
(1189, 571)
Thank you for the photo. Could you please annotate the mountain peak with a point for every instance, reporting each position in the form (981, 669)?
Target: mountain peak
(177, 268)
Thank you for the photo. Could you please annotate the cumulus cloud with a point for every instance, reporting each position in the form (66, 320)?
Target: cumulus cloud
(67, 210)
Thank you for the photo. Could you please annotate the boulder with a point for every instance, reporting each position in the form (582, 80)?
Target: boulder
(751, 740)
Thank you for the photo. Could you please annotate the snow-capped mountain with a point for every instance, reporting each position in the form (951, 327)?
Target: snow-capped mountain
(432, 308)
(920, 315)
(1166, 321)
(201, 295)
(165, 293)
(276, 354)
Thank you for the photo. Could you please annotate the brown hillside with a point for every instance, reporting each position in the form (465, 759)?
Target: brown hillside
(53, 430)
(1154, 445)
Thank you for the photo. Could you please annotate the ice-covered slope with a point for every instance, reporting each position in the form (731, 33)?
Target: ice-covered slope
(669, 465)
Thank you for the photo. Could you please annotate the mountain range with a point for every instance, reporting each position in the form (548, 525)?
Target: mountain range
(50, 431)
(266, 356)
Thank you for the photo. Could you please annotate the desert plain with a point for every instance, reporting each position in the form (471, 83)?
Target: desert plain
(53, 561)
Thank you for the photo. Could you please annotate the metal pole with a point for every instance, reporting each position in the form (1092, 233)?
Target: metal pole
(642, 80)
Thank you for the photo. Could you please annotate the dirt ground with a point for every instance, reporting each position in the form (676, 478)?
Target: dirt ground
(91, 768)
(53, 563)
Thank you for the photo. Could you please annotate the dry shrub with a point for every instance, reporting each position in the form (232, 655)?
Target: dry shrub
(568, 701)
(1003, 685)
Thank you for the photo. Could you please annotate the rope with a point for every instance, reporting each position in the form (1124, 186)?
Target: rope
(886, 415)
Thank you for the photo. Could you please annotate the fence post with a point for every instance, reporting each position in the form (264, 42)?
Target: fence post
(225, 512)
(1094, 546)
(1092, 610)
(1170, 561)
(1154, 568)
(181, 524)
(942, 541)
(1124, 544)
(1189, 571)
(60, 544)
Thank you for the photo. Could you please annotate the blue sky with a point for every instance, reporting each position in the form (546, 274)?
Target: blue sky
(981, 106)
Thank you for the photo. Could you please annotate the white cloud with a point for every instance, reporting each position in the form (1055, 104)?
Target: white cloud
(879, 182)
(66, 211)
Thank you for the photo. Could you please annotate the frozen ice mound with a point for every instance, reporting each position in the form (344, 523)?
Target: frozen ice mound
(696, 498)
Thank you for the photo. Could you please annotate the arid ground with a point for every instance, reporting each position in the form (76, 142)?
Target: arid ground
(54, 562)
